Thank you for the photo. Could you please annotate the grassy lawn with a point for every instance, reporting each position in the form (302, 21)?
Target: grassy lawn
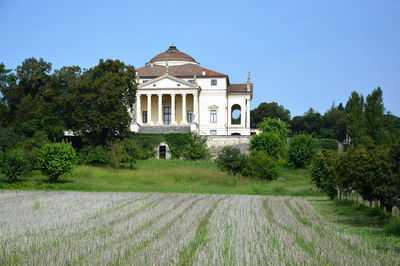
(169, 176)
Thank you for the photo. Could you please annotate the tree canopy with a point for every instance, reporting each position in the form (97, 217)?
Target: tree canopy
(268, 110)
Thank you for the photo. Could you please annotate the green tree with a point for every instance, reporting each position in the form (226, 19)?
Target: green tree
(15, 164)
(333, 124)
(131, 151)
(271, 144)
(196, 148)
(104, 95)
(274, 125)
(310, 122)
(268, 110)
(374, 111)
(323, 172)
(355, 117)
(302, 149)
(56, 159)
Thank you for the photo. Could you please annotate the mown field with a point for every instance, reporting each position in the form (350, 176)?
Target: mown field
(53, 228)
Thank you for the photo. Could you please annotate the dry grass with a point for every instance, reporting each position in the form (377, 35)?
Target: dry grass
(58, 228)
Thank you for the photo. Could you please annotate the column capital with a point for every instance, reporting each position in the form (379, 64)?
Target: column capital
(172, 94)
(159, 94)
(183, 94)
(149, 94)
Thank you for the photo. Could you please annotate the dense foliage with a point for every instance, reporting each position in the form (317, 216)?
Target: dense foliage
(262, 167)
(328, 144)
(268, 110)
(302, 149)
(56, 159)
(15, 164)
(372, 172)
(231, 160)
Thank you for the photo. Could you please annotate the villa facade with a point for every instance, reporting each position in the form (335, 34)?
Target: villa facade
(176, 94)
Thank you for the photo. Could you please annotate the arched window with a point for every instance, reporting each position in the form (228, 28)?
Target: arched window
(235, 134)
(236, 114)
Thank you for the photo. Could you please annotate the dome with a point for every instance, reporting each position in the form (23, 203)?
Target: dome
(172, 56)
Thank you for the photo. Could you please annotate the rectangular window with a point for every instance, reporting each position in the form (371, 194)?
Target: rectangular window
(167, 115)
(191, 81)
(213, 116)
(190, 116)
(144, 117)
(213, 132)
(145, 80)
(213, 82)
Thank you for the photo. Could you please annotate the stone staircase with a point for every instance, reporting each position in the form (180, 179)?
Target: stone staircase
(164, 129)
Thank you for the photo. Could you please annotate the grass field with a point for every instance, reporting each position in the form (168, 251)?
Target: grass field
(178, 176)
(53, 228)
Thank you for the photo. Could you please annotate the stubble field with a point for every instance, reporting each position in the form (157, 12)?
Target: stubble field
(53, 228)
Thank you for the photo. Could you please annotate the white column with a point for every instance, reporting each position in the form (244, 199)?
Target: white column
(248, 113)
(149, 109)
(243, 114)
(184, 115)
(159, 109)
(138, 113)
(172, 109)
(195, 108)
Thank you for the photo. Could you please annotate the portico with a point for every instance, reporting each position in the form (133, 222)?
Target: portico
(176, 104)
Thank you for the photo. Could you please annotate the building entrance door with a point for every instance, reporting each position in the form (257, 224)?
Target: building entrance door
(162, 152)
(167, 115)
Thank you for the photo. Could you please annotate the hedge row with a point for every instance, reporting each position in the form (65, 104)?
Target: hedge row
(175, 141)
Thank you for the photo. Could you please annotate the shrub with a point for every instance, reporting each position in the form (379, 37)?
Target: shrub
(262, 167)
(231, 160)
(98, 155)
(275, 125)
(56, 159)
(130, 151)
(15, 164)
(196, 148)
(268, 143)
(328, 144)
(393, 226)
(323, 172)
(302, 150)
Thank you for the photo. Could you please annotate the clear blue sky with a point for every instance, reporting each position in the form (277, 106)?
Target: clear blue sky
(301, 53)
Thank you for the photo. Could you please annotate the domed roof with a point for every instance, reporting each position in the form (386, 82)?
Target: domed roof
(173, 54)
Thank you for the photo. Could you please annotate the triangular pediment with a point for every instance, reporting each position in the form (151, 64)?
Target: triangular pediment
(167, 82)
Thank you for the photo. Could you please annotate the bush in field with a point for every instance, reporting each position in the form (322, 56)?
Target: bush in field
(269, 143)
(196, 149)
(231, 160)
(323, 172)
(15, 164)
(98, 155)
(56, 159)
(130, 152)
(262, 167)
(302, 149)
(393, 226)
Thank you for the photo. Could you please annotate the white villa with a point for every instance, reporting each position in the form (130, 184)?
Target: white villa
(176, 94)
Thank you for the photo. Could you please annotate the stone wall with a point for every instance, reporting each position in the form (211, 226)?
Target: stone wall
(216, 143)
